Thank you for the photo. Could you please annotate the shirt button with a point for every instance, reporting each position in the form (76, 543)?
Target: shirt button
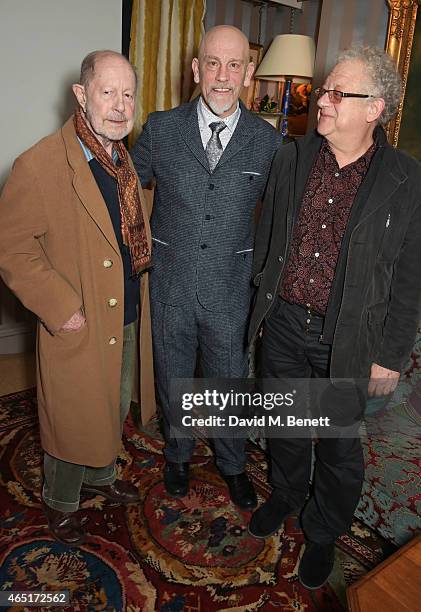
(112, 340)
(308, 305)
(107, 263)
(336, 173)
(316, 254)
(308, 320)
(269, 296)
(311, 280)
(112, 302)
(330, 200)
(323, 225)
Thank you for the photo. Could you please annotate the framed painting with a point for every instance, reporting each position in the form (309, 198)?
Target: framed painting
(249, 93)
(403, 44)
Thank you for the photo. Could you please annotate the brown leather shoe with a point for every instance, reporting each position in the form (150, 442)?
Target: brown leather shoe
(119, 492)
(65, 527)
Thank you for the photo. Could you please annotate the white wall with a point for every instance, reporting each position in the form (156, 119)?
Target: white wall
(42, 43)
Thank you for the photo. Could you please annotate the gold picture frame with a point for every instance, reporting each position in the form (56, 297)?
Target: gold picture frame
(249, 94)
(400, 36)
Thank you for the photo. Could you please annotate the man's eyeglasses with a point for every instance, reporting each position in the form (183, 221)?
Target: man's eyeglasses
(335, 96)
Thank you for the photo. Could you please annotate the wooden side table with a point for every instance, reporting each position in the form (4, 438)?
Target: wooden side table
(392, 586)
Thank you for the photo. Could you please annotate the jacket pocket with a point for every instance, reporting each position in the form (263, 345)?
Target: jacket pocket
(158, 241)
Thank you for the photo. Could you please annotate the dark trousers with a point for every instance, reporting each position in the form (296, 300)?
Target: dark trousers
(291, 349)
(180, 335)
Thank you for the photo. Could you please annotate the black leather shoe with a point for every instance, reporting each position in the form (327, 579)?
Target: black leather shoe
(119, 492)
(316, 564)
(176, 478)
(65, 527)
(269, 517)
(241, 490)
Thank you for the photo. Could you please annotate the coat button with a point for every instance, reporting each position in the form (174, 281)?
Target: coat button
(280, 258)
(203, 246)
(107, 263)
(269, 296)
(211, 186)
(112, 340)
(112, 302)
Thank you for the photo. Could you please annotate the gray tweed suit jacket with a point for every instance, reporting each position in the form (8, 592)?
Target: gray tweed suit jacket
(203, 223)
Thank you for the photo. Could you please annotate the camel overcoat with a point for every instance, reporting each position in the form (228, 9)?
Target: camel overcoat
(58, 253)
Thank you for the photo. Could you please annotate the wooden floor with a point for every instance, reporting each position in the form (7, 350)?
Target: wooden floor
(17, 372)
(392, 586)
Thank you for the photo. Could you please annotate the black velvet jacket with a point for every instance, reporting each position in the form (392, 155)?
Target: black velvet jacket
(375, 301)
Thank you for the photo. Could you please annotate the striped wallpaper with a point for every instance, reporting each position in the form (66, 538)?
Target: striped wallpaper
(343, 22)
(275, 20)
(347, 22)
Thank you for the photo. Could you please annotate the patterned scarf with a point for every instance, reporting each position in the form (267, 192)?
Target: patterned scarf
(132, 222)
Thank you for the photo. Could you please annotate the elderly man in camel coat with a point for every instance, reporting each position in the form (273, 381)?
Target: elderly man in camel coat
(74, 248)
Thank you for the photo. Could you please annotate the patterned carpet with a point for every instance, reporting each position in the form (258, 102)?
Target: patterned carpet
(164, 555)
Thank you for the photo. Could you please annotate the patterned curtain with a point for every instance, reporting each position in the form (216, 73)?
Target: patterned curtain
(165, 36)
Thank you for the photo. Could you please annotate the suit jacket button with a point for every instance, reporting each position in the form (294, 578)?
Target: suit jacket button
(112, 340)
(203, 246)
(211, 186)
(107, 263)
(269, 296)
(280, 258)
(112, 302)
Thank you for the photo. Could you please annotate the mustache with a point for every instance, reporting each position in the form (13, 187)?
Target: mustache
(117, 117)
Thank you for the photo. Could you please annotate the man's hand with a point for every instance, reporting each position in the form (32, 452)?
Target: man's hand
(75, 322)
(382, 381)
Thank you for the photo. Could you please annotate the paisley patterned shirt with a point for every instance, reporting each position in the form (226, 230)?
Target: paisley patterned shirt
(318, 232)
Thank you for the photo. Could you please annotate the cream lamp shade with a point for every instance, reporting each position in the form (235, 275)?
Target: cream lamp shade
(289, 57)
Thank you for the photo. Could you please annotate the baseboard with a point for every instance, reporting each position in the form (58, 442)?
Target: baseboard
(17, 339)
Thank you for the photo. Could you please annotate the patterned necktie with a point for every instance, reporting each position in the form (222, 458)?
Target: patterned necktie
(214, 148)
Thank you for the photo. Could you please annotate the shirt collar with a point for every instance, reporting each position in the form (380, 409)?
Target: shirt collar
(206, 116)
(365, 158)
(90, 157)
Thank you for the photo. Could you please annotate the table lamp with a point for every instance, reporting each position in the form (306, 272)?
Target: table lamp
(289, 59)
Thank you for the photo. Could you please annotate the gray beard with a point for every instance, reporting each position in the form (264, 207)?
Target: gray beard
(219, 109)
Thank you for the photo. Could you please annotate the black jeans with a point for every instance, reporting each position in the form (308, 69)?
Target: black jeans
(291, 349)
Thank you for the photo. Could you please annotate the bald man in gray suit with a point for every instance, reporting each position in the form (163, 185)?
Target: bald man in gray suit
(210, 160)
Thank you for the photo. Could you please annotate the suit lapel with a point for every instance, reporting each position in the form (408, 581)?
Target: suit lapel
(307, 151)
(243, 133)
(188, 124)
(85, 185)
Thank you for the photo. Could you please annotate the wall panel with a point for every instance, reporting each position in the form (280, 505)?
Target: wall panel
(41, 45)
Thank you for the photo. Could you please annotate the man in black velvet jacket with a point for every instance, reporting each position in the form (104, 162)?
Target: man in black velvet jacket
(337, 259)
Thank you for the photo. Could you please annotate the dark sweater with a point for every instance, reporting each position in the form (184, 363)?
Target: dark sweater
(108, 187)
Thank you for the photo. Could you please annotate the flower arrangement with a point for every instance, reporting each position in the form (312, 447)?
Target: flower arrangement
(265, 105)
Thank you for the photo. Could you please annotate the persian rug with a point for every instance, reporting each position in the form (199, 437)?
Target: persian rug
(164, 554)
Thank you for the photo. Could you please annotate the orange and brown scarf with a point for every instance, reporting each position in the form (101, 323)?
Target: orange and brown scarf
(132, 222)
